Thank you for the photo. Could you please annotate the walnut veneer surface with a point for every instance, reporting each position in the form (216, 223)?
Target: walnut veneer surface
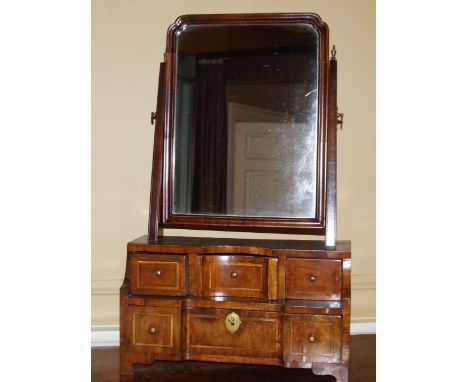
(266, 302)
(292, 300)
(105, 368)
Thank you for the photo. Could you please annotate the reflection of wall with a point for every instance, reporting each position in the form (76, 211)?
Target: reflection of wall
(279, 98)
(127, 45)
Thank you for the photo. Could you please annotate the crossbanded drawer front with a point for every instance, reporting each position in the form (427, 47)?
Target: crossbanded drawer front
(257, 334)
(313, 279)
(235, 276)
(155, 329)
(158, 275)
(309, 338)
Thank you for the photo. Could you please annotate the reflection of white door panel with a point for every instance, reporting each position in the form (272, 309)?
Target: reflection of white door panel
(245, 113)
(257, 185)
(272, 169)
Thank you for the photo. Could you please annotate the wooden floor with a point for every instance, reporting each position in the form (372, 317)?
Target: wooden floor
(105, 368)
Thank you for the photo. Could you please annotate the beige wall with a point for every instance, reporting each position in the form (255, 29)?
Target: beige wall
(128, 40)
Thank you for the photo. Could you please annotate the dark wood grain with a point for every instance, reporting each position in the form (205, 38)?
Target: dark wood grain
(298, 248)
(281, 305)
(105, 368)
(162, 174)
(155, 329)
(256, 277)
(141, 345)
(346, 302)
(238, 276)
(313, 279)
(258, 339)
(154, 229)
(158, 274)
(331, 152)
(178, 291)
(195, 274)
(236, 303)
(310, 339)
(272, 283)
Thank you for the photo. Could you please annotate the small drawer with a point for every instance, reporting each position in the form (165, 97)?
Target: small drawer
(234, 335)
(155, 329)
(310, 338)
(235, 276)
(158, 274)
(313, 279)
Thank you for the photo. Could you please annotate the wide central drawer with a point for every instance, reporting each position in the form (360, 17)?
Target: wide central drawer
(220, 332)
(235, 275)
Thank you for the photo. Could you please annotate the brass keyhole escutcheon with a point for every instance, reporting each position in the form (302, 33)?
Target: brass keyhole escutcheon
(232, 322)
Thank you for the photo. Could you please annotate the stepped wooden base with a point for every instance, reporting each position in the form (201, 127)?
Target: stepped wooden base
(273, 303)
(339, 372)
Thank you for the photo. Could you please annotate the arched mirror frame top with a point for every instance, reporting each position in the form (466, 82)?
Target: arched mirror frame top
(162, 213)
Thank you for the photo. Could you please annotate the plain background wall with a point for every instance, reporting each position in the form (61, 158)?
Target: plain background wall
(128, 40)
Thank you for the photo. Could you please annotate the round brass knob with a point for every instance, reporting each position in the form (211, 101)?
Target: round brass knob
(311, 339)
(152, 330)
(158, 273)
(233, 275)
(312, 278)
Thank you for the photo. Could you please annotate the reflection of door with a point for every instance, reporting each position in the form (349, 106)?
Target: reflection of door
(273, 172)
(238, 113)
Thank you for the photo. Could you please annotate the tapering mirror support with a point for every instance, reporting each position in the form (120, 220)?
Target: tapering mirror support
(330, 230)
(154, 229)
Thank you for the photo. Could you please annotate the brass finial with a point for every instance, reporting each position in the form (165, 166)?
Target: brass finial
(333, 53)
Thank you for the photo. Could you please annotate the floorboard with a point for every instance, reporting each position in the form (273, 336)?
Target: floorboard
(105, 368)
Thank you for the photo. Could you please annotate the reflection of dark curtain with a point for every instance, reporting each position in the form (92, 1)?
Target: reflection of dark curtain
(210, 140)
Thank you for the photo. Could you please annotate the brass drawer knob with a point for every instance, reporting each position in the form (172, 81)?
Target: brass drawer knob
(311, 339)
(158, 273)
(312, 278)
(234, 275)
(152, 330)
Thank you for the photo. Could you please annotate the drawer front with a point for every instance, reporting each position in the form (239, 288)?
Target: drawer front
(310, 338)
(313, 279)
(258, 335)
(158, 274)
(236, 276)
(155, 329)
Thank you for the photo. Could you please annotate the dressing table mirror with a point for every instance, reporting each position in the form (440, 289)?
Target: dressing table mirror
(245, 140)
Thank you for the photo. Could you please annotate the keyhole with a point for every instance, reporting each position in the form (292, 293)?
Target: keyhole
(232, 322)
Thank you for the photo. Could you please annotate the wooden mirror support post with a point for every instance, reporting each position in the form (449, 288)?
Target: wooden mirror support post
(244, 301)
(330, 231)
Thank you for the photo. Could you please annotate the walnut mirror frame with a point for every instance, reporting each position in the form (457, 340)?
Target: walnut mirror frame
(322, 219)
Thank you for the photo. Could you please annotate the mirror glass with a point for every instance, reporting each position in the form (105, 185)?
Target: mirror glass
(245, 128)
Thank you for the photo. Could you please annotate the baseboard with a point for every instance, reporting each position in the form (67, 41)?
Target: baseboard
(109, 335)
(363, 325)
(105, 336)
